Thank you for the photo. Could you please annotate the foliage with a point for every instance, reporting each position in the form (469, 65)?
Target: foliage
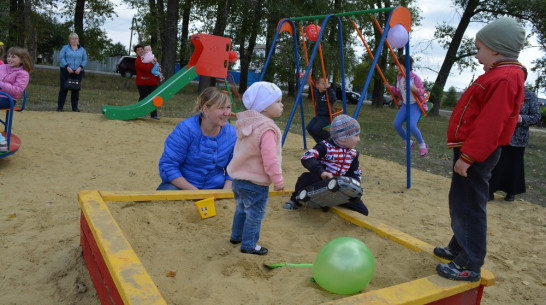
(115, 50)
(543, 114)
(450, 98)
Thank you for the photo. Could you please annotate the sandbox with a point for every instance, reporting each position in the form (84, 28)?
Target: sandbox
(155, 248)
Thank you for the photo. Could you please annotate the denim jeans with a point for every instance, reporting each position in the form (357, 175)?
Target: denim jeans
(167, 186)
(468, 210)
(249, 213)
(415, 113)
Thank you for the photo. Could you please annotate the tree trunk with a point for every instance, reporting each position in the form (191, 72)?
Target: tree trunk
(451, 56)
(185, 39)
(246, 56)
(154, 12)
(169, 37)
(78, 20)
(30, 42)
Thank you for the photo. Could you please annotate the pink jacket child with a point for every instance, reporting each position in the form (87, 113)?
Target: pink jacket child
(13, 80)
(149, 57)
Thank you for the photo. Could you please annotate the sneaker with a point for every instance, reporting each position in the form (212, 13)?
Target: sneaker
(291, 205)
(445, 253)
(155, 118)
(3, 146)
(455, 272)
(260, 251)
(423, 152)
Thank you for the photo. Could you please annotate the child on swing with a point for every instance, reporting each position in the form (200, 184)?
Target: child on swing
(416, 86)
(322, 119)
(14, 76)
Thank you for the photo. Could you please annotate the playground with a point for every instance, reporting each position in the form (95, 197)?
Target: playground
(163, 251)
(41, 253)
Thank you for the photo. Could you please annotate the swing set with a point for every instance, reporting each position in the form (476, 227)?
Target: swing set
(395, 34)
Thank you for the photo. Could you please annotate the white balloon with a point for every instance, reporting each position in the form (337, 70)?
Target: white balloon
(398, 36)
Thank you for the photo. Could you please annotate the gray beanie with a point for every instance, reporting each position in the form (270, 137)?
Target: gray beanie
(504, 35)
(344, 126)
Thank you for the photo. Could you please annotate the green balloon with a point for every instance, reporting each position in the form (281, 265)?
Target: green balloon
(344, 265)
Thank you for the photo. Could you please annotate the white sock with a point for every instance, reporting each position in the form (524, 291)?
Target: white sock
(257, 248)
(423, 145)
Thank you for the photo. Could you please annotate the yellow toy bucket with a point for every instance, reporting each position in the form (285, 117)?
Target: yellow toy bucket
(206, 207)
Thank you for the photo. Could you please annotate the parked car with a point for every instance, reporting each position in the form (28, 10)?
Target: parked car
(350, 96)
(126, 66)
(388, 100)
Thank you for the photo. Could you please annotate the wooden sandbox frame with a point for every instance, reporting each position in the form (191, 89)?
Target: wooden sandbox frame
(120, 278)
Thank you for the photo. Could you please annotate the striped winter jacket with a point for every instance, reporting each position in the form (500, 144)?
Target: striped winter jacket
(328, 156)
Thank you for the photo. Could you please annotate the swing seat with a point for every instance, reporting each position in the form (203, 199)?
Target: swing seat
(429, 105)
(337, 112)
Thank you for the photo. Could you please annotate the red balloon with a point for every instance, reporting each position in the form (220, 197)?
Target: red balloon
(233, 56)
(312, 31)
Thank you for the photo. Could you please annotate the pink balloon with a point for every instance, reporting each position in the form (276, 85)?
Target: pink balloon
(398, 36)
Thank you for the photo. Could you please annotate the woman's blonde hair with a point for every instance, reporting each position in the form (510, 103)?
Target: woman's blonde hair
(73, 35)
(22, 53)
(211, 97)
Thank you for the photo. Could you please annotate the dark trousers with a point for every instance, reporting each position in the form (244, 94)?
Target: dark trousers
(315, 128)
(509, 173)
(468, 210)
(144, 91)
(309, 178)
(74, 95)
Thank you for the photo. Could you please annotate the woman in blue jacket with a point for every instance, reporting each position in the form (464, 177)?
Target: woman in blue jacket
(73, 59)
(199, 149)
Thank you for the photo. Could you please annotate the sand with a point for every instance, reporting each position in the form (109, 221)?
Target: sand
(64, 153)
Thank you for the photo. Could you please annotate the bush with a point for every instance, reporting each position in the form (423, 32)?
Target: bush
(450, 98)
(543, 114)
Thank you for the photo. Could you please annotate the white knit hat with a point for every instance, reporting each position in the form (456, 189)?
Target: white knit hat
(260, 95)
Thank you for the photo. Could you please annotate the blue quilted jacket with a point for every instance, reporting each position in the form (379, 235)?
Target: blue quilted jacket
(199, 159)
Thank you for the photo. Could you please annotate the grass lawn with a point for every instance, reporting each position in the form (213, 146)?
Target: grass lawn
(378, 137)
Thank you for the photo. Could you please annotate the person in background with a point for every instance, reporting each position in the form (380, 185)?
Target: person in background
(322, 118)
(509, 175)
(146, 81)
(483, 119)
(14, 76)
(73, 59)
(199, 149)
(1, 53)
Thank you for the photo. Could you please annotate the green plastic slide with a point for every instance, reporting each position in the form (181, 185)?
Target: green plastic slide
(169, 88)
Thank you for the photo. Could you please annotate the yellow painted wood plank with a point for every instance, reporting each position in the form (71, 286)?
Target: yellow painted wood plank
(133, 282)
(172, 195)
(417, 292)
(408, 241)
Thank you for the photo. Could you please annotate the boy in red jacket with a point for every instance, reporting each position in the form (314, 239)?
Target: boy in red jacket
(483, 119)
